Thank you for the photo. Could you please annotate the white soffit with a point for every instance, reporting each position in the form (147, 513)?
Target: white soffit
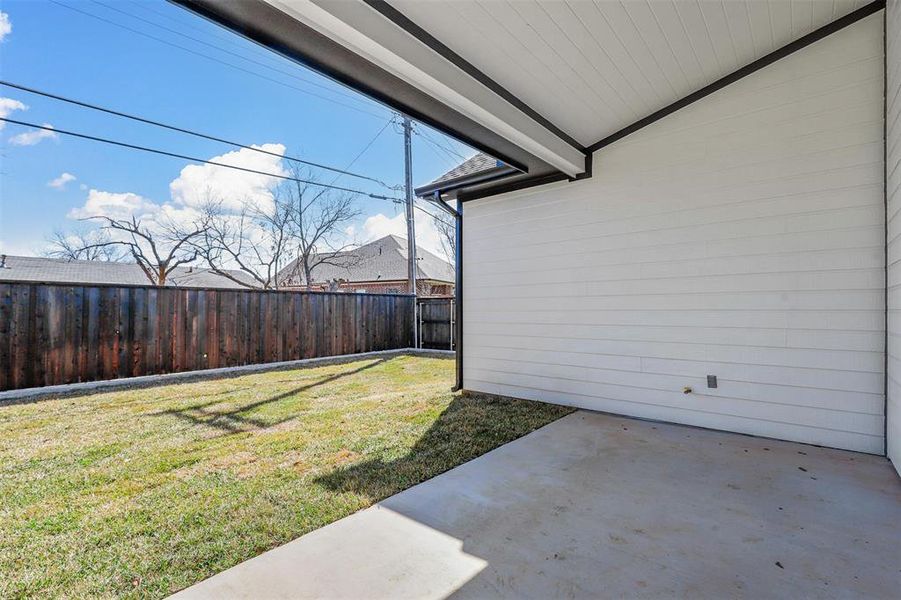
(364, 31)
(593, 67)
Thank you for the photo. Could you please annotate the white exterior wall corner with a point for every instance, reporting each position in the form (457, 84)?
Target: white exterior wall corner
(742, 236)
(893, 208)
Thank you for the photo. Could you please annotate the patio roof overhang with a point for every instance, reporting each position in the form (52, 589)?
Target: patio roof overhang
(539, 86)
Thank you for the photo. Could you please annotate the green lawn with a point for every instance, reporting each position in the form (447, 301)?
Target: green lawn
(143, 492)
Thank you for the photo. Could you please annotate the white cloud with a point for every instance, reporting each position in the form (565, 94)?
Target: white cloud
(380, 225)
(7, 106)
(191, 189)
(30, 138)
(60, 182)
(6, 26)
(115, 206)
(198, 183)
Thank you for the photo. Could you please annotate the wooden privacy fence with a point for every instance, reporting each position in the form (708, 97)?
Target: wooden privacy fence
(436, 323)
(52, 334)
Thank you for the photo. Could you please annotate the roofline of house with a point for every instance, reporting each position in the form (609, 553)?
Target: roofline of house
(267, 25)
(380, 281)
(448, 185)
(519, 181)
(260, 22)
(185, 288)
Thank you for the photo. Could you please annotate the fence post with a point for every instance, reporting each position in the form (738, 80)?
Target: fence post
(419, 307)
(453, 322)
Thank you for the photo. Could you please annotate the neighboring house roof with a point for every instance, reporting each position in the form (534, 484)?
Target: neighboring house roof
(474, 168)
(474, 164)
(384, 259)
(55, 270)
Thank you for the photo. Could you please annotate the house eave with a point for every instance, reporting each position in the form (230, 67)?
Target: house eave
(383, 282)
(351, 43)
(448, 185)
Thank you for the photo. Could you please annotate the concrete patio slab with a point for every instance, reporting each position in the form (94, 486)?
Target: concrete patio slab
(599, 506)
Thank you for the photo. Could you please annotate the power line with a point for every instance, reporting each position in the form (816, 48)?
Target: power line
(217, 60)
(370, 143)
(194, 159)
(417, 207)
(444, 157)
(362, 152)
(340, 172)
(434, 146)
(218, 164)
(214, 163)
(440, 145)
(182, 130)
(216, 32)
(213, 31)
(359, 154)
(221, 49)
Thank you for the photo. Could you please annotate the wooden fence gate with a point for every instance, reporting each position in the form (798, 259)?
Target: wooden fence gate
(436, 323)
(52, 334)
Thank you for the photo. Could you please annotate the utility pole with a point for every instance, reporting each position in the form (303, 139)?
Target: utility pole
(411, 225)
(408, 187)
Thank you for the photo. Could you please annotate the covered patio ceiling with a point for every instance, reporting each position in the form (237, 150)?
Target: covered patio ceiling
(538, 85)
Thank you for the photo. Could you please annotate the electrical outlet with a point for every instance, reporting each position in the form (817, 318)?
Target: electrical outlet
(711, 381)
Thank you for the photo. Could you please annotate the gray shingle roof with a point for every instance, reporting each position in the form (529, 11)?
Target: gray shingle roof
(474, 164)
(384, 259)
(53, 270)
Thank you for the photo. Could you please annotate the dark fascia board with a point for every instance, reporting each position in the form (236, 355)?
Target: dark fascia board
(758, 64)
(405, 23)
(266, 25)
(515, 182)
(512, 184)
(465, 180)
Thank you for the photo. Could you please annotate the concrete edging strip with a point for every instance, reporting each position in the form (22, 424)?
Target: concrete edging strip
(88, 387)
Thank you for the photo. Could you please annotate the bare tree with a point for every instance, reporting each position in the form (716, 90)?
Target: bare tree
(158, 250)
(320, 216)
(257, 241)
(446, 225)
(83, 244)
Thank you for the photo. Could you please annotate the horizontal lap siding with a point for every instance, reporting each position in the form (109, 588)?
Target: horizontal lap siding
(742, 236)
(893, 199)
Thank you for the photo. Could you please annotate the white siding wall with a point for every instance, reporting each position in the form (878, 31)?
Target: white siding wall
(742, 237)
(893, 196)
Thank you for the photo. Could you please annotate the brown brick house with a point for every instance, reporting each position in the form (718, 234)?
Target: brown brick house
(379, 267)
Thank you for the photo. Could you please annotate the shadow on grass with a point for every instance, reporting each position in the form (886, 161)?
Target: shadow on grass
(235, 420)
(469, 427)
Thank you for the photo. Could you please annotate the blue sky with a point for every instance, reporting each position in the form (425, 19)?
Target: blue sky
(97, 60)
